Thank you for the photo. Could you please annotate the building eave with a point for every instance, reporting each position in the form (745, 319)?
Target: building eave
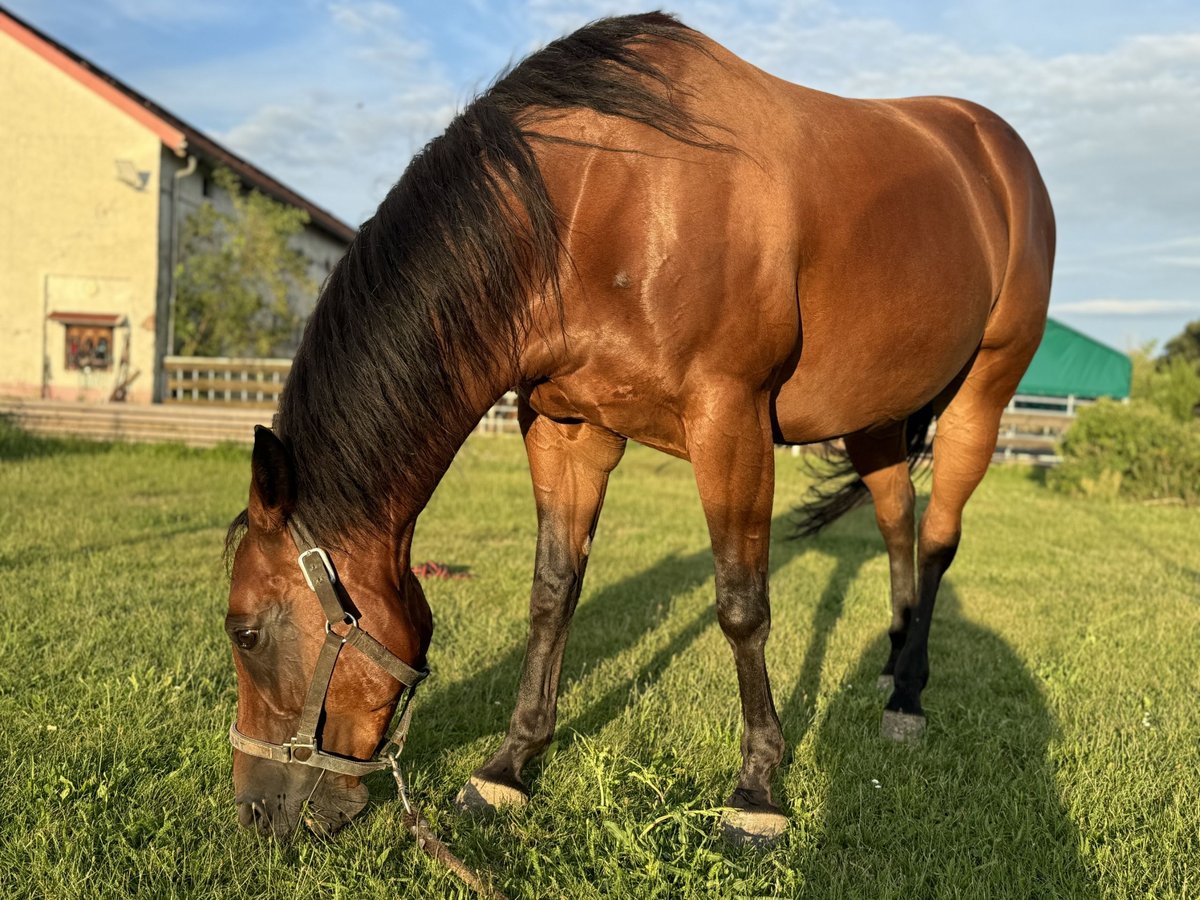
(76, 68)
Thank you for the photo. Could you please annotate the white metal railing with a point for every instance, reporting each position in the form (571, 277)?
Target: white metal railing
(1035, 403)
(501, 418)
(225, 380)
(257, 383)
(1029, 419)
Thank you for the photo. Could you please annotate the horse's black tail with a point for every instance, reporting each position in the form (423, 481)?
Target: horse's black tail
(838, 489)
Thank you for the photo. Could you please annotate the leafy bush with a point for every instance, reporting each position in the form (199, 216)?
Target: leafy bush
(1171, 383)
(1136, 450)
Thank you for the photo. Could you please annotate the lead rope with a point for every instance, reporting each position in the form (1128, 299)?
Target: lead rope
(429, 842)
(433, 846)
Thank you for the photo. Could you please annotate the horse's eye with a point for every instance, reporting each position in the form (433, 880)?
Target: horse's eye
(246, 638)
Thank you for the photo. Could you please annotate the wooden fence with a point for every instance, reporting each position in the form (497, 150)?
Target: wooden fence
(1032, 426)
(194, 426)
(215, 400)
(230, 383)
(246, 383)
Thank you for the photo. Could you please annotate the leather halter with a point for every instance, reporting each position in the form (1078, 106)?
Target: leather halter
(304, 746)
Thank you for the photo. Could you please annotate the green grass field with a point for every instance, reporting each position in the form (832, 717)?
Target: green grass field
(1061, 759)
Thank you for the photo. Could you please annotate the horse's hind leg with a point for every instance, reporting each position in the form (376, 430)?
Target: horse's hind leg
(962, 450)
(881, 460)
(570, 465)
(729, 443)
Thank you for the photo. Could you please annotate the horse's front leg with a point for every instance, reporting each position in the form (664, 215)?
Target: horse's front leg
(731, 449)
(570, 465)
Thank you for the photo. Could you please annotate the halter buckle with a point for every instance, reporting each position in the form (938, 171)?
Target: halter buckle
(330, 571)
(292, 745)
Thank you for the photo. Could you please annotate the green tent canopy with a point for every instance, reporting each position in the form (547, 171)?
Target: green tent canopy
(1069, 362)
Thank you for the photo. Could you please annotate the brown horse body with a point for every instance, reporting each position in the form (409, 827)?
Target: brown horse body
(851, 238)
(810, 267)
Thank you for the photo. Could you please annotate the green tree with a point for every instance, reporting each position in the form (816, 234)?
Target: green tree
(1171, 383)
(236, 273)
(1148, 448)
(1185, 346)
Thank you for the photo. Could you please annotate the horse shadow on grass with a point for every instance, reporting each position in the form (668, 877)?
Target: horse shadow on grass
(640, 603)
(972, 811)
(975, 806)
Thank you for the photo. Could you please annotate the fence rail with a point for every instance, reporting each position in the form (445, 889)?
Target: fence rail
(251, 383)
(194, 426)
(1032, 426)
(213, 400)
(231, 383)
(1051, 406)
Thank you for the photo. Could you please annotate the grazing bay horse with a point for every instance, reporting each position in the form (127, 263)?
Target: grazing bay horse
(650, 239)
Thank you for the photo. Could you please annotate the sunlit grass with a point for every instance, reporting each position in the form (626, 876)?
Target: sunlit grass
(1062, 756)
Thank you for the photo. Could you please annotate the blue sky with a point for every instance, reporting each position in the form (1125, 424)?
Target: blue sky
(334, 97)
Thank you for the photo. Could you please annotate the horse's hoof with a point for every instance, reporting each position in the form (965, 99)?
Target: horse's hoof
(885, 683)
(478, 795)
(901, 727)
(752, 828)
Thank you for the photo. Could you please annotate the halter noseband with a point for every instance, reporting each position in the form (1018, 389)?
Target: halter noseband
(303, 747)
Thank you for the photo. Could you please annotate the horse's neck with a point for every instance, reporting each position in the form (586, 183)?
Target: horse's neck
(481, 395)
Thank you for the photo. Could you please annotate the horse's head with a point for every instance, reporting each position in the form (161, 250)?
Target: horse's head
(277, 623)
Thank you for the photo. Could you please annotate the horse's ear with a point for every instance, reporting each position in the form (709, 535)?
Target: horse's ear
(272, 484)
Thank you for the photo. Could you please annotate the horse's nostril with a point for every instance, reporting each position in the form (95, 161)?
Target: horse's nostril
(253, 814)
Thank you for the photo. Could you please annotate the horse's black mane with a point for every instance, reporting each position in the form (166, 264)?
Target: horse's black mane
(436, 284)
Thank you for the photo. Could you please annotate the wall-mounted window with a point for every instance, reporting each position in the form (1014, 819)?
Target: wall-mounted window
(87, 339)
(89, 347)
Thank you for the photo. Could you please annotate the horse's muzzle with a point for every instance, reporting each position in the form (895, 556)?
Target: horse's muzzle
(273, 799)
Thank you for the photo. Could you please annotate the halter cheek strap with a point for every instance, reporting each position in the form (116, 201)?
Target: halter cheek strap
(304, 747)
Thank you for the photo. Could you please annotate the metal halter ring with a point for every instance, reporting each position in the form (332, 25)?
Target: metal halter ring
(349, 620)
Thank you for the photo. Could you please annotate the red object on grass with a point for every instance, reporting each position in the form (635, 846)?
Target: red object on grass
(431, 569)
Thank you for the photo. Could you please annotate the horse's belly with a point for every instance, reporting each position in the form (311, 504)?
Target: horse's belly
(799, 421)
(891, 310)
(869, 384)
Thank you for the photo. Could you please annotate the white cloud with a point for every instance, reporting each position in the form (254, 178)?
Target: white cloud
(363, 17)
(172, 12)
(1187, 262)
(340, 125)
(1113, 307)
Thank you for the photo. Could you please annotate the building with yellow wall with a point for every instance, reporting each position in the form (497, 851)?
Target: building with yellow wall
(97, 180)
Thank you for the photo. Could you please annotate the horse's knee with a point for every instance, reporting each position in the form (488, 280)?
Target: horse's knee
(743, 610)
(936, 554)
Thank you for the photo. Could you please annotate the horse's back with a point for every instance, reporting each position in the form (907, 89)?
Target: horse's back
(847, 252)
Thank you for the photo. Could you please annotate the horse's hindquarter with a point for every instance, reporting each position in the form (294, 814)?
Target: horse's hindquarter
(906, 244)
(849, 257)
